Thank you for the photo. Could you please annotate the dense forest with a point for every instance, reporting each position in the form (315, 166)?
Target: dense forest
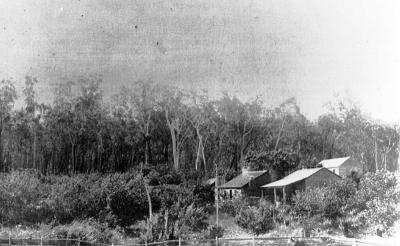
(145, 124)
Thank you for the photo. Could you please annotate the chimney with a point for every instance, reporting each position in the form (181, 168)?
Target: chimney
(245, 170)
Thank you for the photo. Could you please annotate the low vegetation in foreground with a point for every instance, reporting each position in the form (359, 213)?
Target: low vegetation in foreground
(152, 206)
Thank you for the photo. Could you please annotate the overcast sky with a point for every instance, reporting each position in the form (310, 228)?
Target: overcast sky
(311, 50)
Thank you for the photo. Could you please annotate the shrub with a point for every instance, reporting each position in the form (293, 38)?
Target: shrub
(27, 197)
(191, 219)
(232, 207)
(24, 198)
(256, 219)
(331, 201)
(228, 207)
(87, 230)
(205, 195)
(309, 202)
(377, 200)
(214, 231)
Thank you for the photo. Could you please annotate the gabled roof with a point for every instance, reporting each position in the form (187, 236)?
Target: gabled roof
(241, 180)
(293, 177)
(333, 163)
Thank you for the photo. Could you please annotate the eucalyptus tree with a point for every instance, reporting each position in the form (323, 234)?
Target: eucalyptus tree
(8, 96)
(172, 102)
(240, 121)
(200, 117)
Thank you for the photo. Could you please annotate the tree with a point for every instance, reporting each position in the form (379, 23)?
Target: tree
(140, 102)
(201, 112)
(240, 120)
(8, 96)
(176, 115)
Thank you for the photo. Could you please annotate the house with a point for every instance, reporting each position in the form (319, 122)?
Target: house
(248, 183)
(343, 167)
(301, 180)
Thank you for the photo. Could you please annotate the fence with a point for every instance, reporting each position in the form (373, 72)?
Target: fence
(289, 241)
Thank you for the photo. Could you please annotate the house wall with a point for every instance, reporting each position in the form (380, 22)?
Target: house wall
(254, 187)
(350, 166)
(320, 178)
(230, 193)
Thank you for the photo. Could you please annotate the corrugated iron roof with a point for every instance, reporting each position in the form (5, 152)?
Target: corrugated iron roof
(293, 177)
(241, 180)
(333, 163)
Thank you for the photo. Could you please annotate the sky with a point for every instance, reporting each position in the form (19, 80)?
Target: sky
(312, 50)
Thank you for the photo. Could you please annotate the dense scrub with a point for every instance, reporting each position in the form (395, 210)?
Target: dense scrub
(99, 202)
(105, 207)
(352, 207)
(28, 197)
(349, 206)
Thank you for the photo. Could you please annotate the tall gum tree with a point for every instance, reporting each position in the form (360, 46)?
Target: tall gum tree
(172, 102)
(8, 96)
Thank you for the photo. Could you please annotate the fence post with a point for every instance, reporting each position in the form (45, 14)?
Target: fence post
(253, 241)
(216, 240)
(179, 241)
(9, 239)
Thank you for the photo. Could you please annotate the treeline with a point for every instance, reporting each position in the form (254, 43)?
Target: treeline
(150, 124)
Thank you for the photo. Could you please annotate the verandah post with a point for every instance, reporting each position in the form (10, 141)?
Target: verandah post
(284, 194)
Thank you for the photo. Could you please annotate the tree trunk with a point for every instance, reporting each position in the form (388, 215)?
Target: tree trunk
(204, 158)
(196, 164)
(147, 151)
(175, 151)
(150, 220)
(279, 134)
(73, 158)
(241, 158)
(376, 156)
(166, 224)
(34, 148)
(2, 164)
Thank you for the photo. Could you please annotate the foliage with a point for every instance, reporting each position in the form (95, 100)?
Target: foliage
(87, 230)
(256, 219)
(280, 161)
(205, 195)
(118, 199)
(233, 206)
(192, 219)
(146, 125)
(214, 231)
(331, 201)
(372, 205)
(378, 199)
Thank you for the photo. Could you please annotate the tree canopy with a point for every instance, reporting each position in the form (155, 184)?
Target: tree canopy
(147, 124)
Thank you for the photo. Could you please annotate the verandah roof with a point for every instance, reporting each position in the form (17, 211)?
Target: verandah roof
(293, 178)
